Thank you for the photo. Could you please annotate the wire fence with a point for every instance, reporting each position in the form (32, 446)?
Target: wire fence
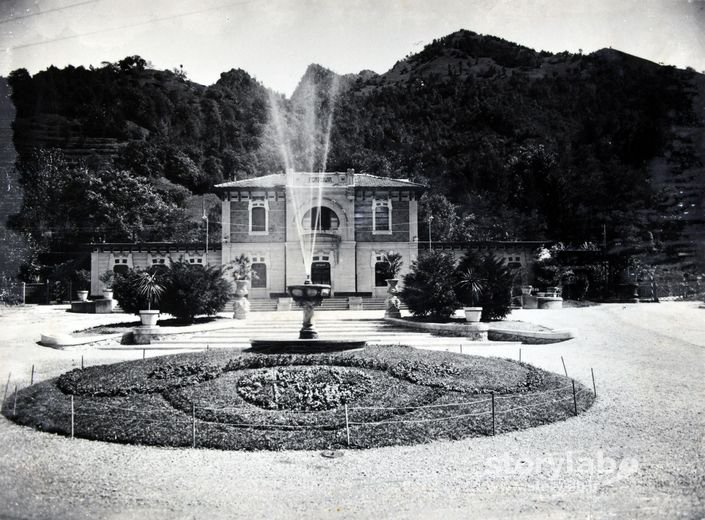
(341, 419)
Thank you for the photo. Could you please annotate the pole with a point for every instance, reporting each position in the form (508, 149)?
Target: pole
(7, 385)
(31, 377)
(430, 244)
(519, 355)
(24, 293)
(193, 425)
(575, 400)
(144, 353)
(564, 369)
(594, 388)
(14, 406)
(492, 413)
(81, 361)
(72, 417)
(347, 423)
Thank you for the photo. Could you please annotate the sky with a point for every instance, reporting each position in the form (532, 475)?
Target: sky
(275, 40)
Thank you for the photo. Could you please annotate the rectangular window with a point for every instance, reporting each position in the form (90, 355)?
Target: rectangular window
(382, 216)
(259, 219)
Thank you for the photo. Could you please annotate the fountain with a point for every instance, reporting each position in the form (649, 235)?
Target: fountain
(308, 295)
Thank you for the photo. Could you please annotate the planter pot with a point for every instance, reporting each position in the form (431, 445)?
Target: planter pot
(108, 294)
(241, 305)
(526, 289)
(149, 318)
(391, 302)
(82, 295)
(472, 314)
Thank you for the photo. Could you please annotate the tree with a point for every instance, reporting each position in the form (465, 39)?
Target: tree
(429, 287)
(193, 290)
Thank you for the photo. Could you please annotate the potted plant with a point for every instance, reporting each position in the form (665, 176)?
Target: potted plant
(472, 286)
(107, 279)
(392, 263)
(82, 279)
(242, 274)
(149, 287)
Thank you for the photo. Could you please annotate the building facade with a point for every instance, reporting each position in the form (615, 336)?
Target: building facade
(334, 225)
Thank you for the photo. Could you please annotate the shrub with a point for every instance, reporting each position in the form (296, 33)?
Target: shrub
(495, 280)
(429, 288)
(193, 289)
(391, 265)
(126, 292)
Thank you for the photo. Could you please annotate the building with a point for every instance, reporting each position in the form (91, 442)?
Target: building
(338, 224)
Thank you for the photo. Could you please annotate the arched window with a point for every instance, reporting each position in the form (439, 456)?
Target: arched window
(321, 219)
(382, 216)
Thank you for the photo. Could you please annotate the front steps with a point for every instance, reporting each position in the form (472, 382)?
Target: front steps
(336, 303)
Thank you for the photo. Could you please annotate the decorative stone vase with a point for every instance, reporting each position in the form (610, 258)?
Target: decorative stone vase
(526, 289)
(108, 294)
(473, 314)
(149, 317)
(82, 295)
(392, 303)
(241, 306)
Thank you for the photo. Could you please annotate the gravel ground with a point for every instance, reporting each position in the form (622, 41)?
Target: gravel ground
(638, 452)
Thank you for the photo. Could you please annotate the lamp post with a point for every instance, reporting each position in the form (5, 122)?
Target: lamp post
(205, 217)
(430, 245)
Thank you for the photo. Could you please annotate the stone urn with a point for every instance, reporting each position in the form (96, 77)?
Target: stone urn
(149, 318)
(526, 289)
(472, 314)
(108, 294)
(391, 302)
(241, 306)
(82, 295)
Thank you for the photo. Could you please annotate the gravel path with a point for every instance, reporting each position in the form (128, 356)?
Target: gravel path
(639, 452)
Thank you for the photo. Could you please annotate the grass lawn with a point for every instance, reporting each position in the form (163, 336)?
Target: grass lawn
(231, 400)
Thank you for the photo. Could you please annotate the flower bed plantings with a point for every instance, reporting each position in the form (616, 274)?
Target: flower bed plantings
(231, 400)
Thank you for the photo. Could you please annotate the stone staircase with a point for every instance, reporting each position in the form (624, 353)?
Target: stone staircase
(336, 303)
(286, 326)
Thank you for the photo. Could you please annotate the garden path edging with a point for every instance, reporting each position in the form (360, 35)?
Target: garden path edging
(492, 333)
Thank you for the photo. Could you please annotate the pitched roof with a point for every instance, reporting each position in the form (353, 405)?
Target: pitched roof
(360, 180)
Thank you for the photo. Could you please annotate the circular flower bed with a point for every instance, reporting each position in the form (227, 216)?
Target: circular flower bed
(377, 396)
(307, 389)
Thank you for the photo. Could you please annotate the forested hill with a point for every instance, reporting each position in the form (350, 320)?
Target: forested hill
(527, 144)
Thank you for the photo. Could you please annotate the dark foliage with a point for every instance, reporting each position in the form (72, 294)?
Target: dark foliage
(192, 290)
(496, 280)
(429, 287)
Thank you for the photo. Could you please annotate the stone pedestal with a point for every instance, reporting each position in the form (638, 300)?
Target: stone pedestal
(92, 306)
(144, 334)
(392, 303)
(355, 303)
(284, 304)
(550, 302)
(529, 302)
(241, 305)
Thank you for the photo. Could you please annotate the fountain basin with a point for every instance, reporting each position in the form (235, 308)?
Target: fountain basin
(304, 346)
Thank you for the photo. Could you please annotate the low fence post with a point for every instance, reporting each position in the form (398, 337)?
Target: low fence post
(31, 377)
(493, 413)
(594, 388)
(24, 293)
(347, 424)
(72, 417)
(575, 400)
(564, 368)
(193, 425)
(14, 406)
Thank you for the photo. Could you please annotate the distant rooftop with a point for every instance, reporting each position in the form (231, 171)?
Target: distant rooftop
(339, 179)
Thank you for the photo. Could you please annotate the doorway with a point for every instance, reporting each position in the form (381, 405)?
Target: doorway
(320, 272)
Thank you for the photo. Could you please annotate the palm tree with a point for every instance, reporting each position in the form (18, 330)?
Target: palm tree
(148, 285)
